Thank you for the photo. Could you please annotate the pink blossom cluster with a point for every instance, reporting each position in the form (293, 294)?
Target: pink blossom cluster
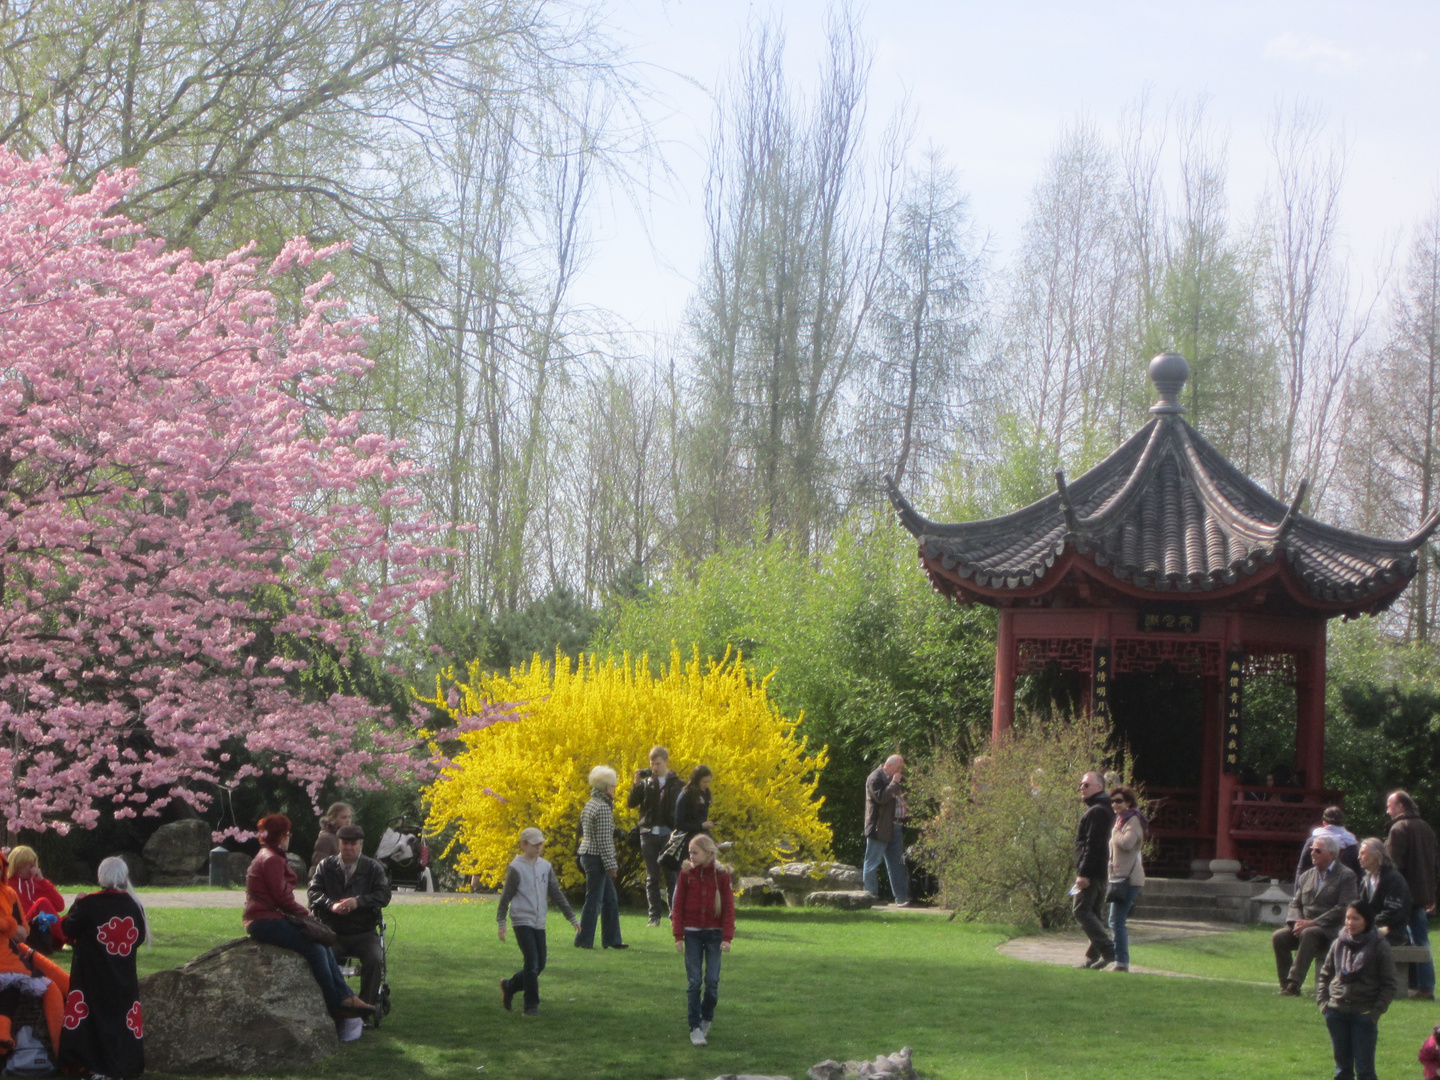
(167, 484)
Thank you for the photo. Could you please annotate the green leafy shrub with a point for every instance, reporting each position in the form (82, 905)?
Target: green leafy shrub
(1000, 830)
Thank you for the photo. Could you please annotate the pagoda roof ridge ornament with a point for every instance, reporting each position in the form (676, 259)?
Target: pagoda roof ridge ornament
(1168, 372)
(1166, 513)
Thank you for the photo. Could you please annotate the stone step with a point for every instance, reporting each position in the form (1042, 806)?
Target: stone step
(1191, 887)
(1170, 913)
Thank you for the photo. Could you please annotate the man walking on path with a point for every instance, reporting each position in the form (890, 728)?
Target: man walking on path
(1316, 915)
(1411, 844)
(654, 792)
(885, 830)
(1092, 857)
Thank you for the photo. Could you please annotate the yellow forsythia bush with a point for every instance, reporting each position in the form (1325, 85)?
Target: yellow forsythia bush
(609, 712)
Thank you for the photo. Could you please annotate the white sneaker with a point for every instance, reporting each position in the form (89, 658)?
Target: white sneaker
(697, 1036)
(705, 1027)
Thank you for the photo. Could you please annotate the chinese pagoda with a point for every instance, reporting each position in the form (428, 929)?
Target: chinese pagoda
(1161, 581)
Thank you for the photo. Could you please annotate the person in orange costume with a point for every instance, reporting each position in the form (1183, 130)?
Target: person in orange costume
(24, 972)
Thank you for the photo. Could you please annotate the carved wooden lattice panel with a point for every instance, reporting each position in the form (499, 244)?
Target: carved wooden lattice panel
(1188, 657)
(1036, 654)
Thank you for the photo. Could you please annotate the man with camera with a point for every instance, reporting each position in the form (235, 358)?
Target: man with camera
(347, 893)
(654, 791)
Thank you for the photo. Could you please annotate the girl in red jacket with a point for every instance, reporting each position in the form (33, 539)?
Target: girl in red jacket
(702, 917)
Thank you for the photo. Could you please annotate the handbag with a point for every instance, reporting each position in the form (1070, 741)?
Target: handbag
(312, 928)
(676, 851)
(1117, 892)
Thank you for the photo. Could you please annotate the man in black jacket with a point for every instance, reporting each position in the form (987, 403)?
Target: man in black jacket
(1092, 859)
(346, 893)
(654, 791)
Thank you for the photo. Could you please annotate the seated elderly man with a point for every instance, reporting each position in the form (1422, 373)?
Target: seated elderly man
(347, 892)
(1317, 912)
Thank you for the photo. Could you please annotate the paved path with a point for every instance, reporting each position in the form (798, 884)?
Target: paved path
(1068, 948)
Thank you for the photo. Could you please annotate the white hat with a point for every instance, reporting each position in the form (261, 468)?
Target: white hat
(532, 835)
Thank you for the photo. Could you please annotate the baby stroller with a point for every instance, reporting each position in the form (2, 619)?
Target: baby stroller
(350, 968)
(405, 856)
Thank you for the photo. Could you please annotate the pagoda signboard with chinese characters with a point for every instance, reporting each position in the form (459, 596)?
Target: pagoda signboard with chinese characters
(1157, 583)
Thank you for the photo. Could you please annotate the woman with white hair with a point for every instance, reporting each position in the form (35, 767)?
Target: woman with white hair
(597, 859)
(104, 1032)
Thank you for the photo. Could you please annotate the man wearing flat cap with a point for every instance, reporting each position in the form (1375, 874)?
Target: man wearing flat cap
(347, 892)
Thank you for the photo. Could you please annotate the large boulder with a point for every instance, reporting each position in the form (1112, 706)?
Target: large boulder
(139, 871)
(181, 848)
(756, 890)
(237, 864)
(237, 1009)
(299, 865)
(796, 880)
(894, 1066)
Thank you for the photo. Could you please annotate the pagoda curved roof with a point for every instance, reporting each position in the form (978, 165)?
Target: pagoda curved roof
(1165, 512)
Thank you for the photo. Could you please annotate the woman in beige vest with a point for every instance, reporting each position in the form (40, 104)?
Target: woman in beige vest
(1127, 875)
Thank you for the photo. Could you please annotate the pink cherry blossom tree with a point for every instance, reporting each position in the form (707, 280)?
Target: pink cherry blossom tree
(167, 485)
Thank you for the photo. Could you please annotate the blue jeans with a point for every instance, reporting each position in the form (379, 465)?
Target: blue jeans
(893, 852)
(1118, 914)
(702, 950)
(602, 902)
(1352, 1037)
(322, 962)
(1422, 976)
(532, 952)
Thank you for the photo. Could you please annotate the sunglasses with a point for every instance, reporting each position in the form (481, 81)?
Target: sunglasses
(1118, 801)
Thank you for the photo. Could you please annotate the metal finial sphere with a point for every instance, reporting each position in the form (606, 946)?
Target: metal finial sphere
(1168, 372)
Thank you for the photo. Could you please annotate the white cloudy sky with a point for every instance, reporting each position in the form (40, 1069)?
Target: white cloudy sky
(993, 83)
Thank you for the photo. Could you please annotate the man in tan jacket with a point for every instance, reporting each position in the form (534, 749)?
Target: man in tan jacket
(1317, 911)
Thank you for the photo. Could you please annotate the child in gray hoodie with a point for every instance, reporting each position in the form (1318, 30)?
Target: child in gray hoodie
(529, 887)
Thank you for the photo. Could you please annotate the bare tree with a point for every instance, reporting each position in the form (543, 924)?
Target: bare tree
(1309, 298)
(788, 283)
(925, 381)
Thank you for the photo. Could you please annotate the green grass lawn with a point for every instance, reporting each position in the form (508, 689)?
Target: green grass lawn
(803, 986)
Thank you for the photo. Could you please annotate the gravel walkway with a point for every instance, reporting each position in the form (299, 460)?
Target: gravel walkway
(1068, 948)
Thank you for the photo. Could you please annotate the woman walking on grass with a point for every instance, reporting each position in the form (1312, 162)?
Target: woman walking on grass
(1127, 875)
(1357, 984)
(702, 919)
(597, 859)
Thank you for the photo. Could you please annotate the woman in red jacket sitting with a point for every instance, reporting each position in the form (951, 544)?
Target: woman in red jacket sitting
(270, 900)
(37, 898)
(702, 917)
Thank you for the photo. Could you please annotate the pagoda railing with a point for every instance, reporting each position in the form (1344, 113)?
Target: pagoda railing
(1269, 813)
(1269, 826)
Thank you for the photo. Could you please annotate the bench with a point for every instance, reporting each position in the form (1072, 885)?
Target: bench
(1405, 955)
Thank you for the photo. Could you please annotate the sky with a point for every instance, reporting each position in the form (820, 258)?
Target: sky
(994, 84)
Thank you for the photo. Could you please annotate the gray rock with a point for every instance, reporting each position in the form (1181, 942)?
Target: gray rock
(237, 1009)
(843, 899)
(757, 890)
(181, 847)
(894, 1066)
(236, 865)
(796, 880)
(139, 872)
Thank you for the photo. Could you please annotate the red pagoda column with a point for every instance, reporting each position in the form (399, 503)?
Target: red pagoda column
(1002, 715)
(1310, 709)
